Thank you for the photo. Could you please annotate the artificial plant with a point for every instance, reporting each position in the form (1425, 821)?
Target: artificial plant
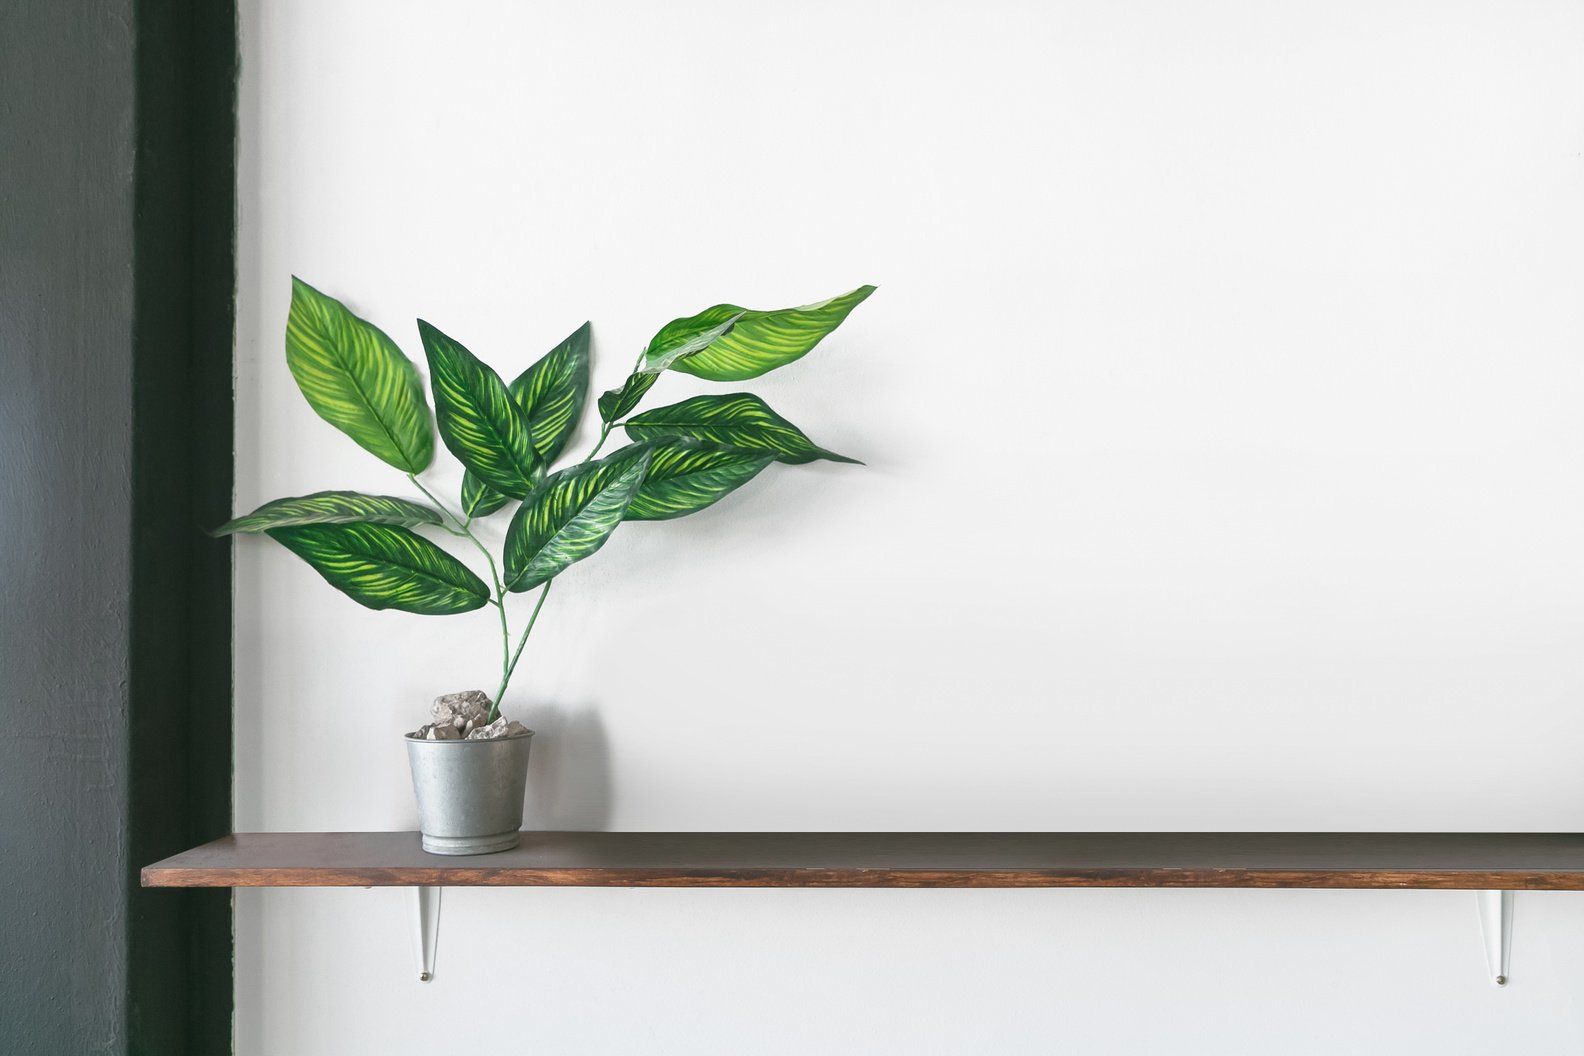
(681, 459)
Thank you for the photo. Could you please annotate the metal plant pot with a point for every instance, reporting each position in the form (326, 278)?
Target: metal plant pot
(470, 793)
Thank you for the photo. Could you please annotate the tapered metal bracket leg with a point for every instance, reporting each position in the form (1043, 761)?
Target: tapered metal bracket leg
(1496, 917)
(426, 929)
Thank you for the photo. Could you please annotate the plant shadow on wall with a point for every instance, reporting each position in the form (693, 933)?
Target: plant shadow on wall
(470, 762)
(572, 786)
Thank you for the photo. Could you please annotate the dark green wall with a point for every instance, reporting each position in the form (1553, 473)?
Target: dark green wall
(117, 132)
(66, 294)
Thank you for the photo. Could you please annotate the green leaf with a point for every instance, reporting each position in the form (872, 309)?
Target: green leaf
(358, 380)
(478, 498)
(479, 421)
(551, 394)
(760, 341)
(682, 341)
(738, 419)
(552, 391)
(386, 567)
(618, 402)
(571, 516)
(676, 341)
(333, 507)
(685, 477)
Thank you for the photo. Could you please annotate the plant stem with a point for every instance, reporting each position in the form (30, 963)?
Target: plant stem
(605, 428)
(499, 601)
(512, 665)
(463, 529)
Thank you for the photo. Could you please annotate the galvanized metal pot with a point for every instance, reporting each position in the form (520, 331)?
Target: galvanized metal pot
(470, 793)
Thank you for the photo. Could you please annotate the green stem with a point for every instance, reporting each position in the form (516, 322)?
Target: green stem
(512, 666)
(533, 617)
(605, 428)
(463, 529)
(499, 601)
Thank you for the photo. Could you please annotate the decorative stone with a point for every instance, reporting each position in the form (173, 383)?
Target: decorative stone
(441, 731)
(491, 732)
(459, 709)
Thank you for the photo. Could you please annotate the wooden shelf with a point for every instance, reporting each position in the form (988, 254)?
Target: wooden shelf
(1470, 861)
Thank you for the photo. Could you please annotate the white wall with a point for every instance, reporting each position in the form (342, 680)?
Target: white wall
(1225, 470)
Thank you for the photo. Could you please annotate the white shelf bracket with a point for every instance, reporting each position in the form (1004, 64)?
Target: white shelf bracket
(426, 929)
(1496, 917)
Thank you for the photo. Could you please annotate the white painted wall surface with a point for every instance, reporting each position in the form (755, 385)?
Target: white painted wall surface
(1221, 404)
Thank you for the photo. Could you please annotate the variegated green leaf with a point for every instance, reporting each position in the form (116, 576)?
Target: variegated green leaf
(738, 419)
(681, 340)
(478, 498)
(692, 335)
(333, 507)
(358, 380)
(618, 402)
(685, 477)
(481, 500)
(570, 516)
(552, 391)
(386, 567)
(551, 394)
(479, 421)
(760, 341)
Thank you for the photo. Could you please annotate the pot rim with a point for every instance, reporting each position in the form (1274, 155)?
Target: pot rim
(464, 740)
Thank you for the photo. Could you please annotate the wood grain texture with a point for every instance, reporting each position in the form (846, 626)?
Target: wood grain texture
(1509, 861)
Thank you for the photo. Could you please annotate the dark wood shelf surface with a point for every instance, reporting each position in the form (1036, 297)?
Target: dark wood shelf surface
(1509, 861)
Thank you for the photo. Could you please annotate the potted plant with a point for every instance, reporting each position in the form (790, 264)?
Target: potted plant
(469, 763)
